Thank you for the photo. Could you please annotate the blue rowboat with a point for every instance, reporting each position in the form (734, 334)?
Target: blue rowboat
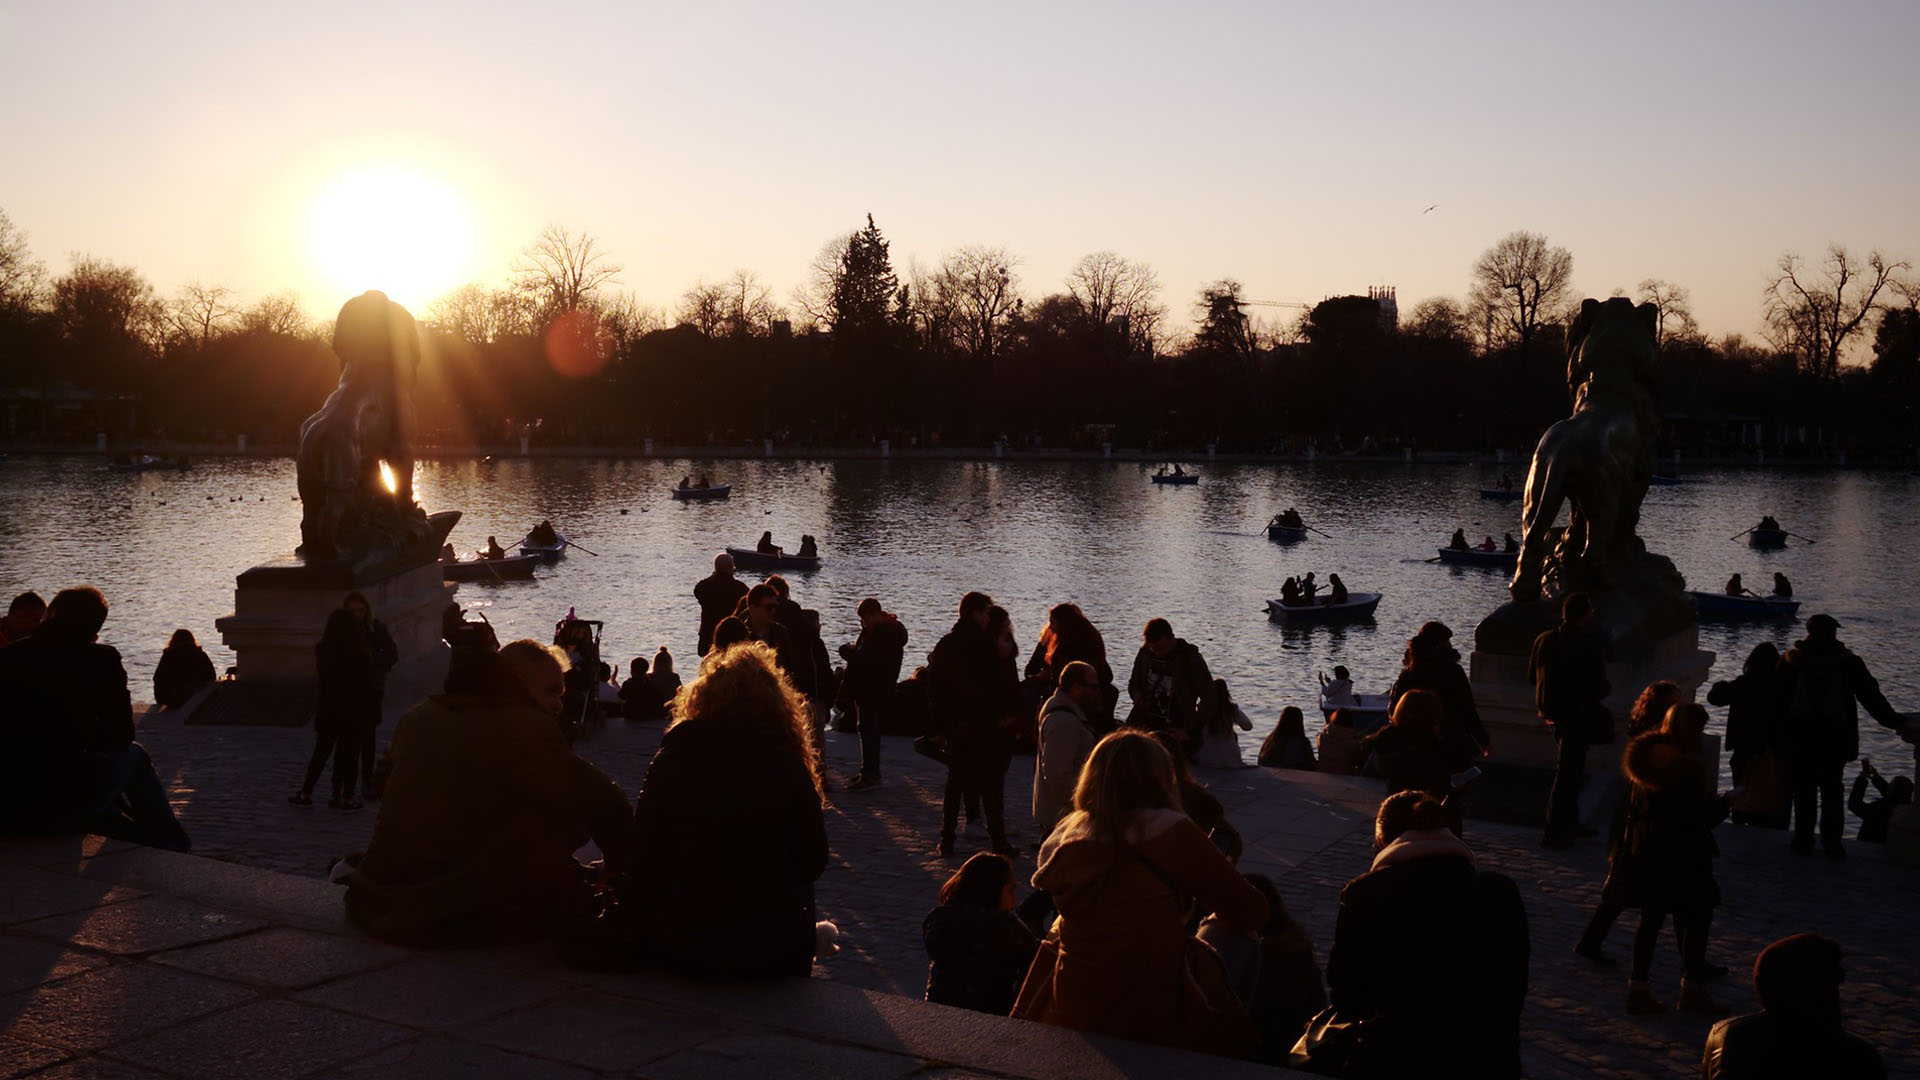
(1503, 560)
(1722, 606)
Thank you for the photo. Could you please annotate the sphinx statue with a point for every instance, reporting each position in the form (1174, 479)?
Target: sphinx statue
(355, 469)
(1597, 462)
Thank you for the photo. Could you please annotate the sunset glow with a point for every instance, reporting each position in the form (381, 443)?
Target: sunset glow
(397, 228)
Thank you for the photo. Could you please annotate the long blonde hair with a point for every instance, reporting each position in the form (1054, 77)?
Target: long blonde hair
(1127, 771)
(743, 687)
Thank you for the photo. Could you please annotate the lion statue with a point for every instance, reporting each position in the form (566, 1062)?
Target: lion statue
(1598, 461)
(353, 511)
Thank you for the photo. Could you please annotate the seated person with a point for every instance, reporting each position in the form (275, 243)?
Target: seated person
(1488, 545)
(1290, 592)
(483, 812)
(978, 950)
(608, 691)
(638, 698)
(1513, 546)
(808, 548)
(705, 482)
(447, 554)
(1287, 745)
(1767, 522)
(1874, 816)
(1289, 991)
(1294, 520)
(543, 535)
(665, 682)
(68, 762)
(1339, 593)
(1734, 586)
(1799, 1030)
(494, 550)
(686, 482)
(23, 614)
(1459, 541)
(1338, 691)
(1308, 588)
(184, 668)
(1782, 588)
(766, 545)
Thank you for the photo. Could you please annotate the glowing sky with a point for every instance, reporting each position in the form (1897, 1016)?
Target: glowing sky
(1293, 146)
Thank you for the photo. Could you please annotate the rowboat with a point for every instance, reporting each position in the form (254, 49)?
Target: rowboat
(702, 494)
(1286, 534)
(1476, 557)
(1501, 494)
(1359, 605)
(1176, 478)
(549, 552)
(1370, 713)
(751, 559)
(1767, 538)
(1722, 606)
(511, 568)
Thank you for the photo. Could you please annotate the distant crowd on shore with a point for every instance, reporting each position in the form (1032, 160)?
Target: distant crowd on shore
(1139, 923)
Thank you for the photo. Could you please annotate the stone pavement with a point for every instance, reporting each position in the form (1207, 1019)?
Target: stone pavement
(1311, 833)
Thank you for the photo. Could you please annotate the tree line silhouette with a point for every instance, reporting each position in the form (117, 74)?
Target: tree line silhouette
(961, 353)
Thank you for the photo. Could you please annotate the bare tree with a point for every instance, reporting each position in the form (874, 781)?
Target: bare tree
(199, 313)
(279, 314)
(1519, 285)
(1673, 310)
(741, 306)
(1439, 318)
(1813, 311)
(479, 315)
(628, 320)
(562, 271)
(814, 296)
(23, 278)
(1110, 289)
(978, 286)
(97, 301)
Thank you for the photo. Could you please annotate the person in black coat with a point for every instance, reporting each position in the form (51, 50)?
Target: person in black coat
(975, 705)
(1799, 1030)
(1752, 701)
(873, 672)
(1430, 951)
(343, 710)
(1431, 663)
(386, 655)
(978, 950)
(718, 594)
(729, 832)
(1568, 668)
(183, 669)
(1664, 865)
(68, 759)
(1822, 687)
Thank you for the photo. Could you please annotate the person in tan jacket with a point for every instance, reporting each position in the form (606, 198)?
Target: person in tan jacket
(1066, 738)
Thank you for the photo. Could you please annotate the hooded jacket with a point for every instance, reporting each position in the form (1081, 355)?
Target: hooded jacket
(1822, 687)
(1665, 858)
(1121, 959)
(972, 692)
(873, 664)
(977, 957)
(1065, 741)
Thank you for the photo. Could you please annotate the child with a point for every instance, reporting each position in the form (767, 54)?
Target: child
(978, 950)
(1219, 747)
(1338, 691)
(1874, 816)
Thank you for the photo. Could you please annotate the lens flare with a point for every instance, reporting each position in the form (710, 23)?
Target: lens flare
(387, 478)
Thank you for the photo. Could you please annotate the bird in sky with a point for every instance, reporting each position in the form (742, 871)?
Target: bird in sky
(1431, 209)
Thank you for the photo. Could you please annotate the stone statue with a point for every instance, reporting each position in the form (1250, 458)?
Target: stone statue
(1599, 460)
(354, 511)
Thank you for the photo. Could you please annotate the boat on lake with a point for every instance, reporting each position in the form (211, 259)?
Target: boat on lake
(547, 552)
(1369, 712)
(702, 494)
(509, 568)
(1746, 606)
(1501, 494)
(1503, 560)
(754, 559)
(1175, 478)
(1286, 534)
(1767, 538)
(1358, 605)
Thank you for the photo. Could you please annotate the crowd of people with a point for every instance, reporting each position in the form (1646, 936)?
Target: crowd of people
(1139, 922)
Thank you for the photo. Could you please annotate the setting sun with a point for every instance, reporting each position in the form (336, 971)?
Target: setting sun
(396, 228)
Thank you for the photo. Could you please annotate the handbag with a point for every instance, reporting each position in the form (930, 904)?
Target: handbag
(1332, 1045)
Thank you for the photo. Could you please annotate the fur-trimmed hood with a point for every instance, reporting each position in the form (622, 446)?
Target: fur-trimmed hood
(1654, 761)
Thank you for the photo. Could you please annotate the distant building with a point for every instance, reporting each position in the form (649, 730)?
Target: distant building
(1389, 307)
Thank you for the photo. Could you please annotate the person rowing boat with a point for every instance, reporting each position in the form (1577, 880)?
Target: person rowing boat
(494, 550)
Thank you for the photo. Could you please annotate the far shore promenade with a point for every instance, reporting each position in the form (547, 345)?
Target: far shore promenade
(1311, 833)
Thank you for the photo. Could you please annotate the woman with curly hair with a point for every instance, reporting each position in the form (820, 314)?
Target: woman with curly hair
(729, 835)
(1068, 636)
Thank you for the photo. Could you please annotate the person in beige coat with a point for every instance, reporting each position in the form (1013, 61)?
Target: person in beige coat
(1065, 741)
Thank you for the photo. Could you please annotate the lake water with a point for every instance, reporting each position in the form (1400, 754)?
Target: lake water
(165, 548)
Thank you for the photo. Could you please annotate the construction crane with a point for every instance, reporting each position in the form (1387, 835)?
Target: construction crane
(1278, 303)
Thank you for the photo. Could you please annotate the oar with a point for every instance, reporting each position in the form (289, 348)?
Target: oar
(571, 542)
(1741, 533)
(1797, 536)
(1311, 529)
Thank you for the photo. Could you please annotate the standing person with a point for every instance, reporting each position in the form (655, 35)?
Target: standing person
(1665, 862)
(729, 832)
(1649, 712)
(23, 615)
(183, 669)
(1568, 669)
(763, 626)
(1066, 738)
(345, 697)
(976, 704)
(797, 662)
(718, 594)
(485, 808)
(386, 655)
(1422, 913)
(873, 670)
(1287, 745)
(1823, 686)
(1799, 1030)
(1126, 868)
(1752, 701)
(1068, 636)
(1409, 751)
(978, 950)
(68, 759)
(1432, 663)
(1170, 687)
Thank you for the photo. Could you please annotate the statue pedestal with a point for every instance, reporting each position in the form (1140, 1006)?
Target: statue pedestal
(1522, 739)
(280, 608)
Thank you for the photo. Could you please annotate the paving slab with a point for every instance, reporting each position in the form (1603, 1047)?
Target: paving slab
(774, 1054)
(113, 1004)
(283, 958)
(267, 1040)
(595, 1031)
(145, 925)
(28, 962)
(93, 1068)
(19, 1057)
(437, 1057)
(28, 893)
(435, 991)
